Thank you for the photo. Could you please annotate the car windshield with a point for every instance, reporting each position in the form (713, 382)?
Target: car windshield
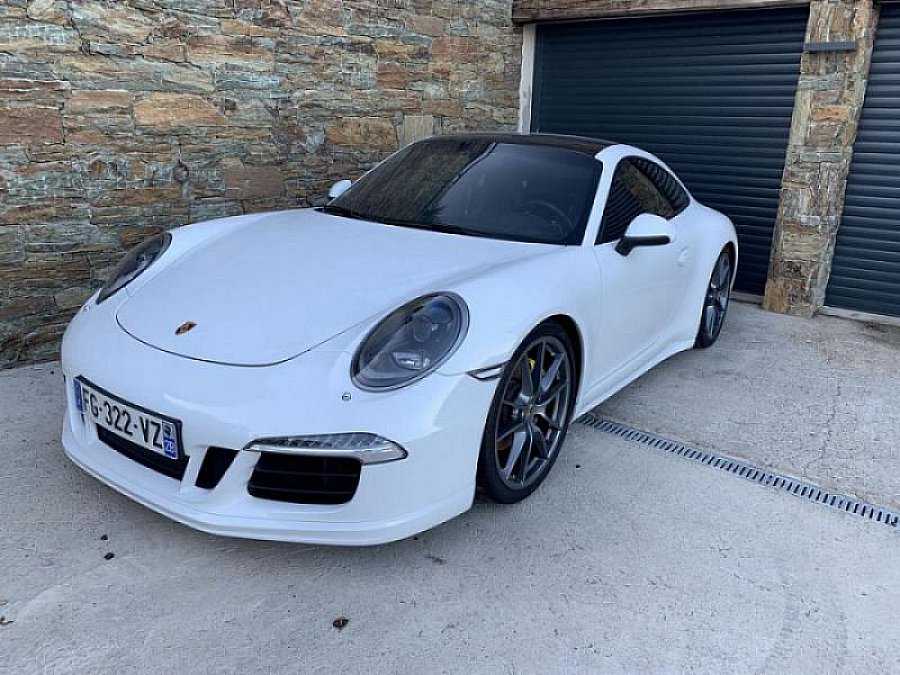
(479, 187)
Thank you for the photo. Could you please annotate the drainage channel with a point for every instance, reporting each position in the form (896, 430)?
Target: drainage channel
(793, 486)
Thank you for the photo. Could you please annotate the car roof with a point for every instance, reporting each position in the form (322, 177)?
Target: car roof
(584, 144)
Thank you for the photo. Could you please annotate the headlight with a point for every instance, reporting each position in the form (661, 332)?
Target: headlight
(411, 342)
(134, 263)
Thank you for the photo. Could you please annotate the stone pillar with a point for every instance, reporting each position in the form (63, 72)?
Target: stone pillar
(826, 114)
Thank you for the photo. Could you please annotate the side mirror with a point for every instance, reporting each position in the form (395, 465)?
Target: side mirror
(645, 230)
(339, 188)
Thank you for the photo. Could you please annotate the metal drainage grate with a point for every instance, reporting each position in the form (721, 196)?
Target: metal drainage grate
(778, 481)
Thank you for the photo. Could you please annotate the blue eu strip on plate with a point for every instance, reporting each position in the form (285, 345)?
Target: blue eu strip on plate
(79, 401)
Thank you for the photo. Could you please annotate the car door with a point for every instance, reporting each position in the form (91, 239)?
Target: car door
(640, 291)
(673, 199)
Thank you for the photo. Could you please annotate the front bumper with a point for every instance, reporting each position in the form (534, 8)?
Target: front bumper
(439, 421)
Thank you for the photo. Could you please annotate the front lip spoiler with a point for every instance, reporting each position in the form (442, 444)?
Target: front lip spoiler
(332, 533)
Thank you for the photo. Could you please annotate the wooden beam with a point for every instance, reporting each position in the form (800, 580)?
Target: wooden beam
(529, 11)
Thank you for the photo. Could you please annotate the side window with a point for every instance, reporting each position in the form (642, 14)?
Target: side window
(665, 183)
(622, 206)
(639, 186)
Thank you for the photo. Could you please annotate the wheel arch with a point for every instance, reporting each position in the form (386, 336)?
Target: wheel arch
(570, 326)
(731, 249)
(486, 480)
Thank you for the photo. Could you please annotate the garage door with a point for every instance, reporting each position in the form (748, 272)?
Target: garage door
(712, 94)
(866, 271)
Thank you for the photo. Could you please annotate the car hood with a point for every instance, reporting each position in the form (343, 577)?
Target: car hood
(277, 286)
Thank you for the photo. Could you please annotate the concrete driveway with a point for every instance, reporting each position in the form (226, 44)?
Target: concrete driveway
(816, 398)
(627, 560)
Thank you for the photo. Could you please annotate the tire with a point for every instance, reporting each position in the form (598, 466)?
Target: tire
(529, 416)
(715, 302)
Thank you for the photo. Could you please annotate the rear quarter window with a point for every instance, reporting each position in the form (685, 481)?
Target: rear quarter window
(665, 183)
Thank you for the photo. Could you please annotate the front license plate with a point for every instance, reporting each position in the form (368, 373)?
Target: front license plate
(150, 431)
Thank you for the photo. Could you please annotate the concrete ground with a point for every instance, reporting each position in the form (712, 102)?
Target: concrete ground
(815, 398)
(628, 560)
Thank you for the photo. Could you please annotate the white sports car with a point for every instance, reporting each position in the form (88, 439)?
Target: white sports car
(351, 374)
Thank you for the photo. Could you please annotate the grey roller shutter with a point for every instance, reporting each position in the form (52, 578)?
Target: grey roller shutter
(865, 275)
(712, 94)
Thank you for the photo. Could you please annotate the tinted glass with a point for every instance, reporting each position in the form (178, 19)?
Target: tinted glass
(622, 206)
(668, 187)
(634, 192)
(479, 187)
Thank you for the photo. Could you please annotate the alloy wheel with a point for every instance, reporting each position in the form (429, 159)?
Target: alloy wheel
(533, 413)
(718, 293)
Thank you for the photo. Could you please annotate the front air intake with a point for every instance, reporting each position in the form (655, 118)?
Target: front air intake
(303, 479)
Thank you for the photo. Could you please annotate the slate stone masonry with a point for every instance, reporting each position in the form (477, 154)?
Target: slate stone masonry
(122, 118)
(827, 107)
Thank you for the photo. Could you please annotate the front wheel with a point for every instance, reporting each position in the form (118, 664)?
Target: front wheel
(529, 416)
(715, 302)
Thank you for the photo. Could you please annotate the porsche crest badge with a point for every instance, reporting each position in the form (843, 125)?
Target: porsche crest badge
(186, 327)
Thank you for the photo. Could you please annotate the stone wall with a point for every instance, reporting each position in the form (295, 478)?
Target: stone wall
(829, 101)
(122, 118)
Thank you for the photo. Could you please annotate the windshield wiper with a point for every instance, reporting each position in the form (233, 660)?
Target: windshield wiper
(335, 210)
(434, 227)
